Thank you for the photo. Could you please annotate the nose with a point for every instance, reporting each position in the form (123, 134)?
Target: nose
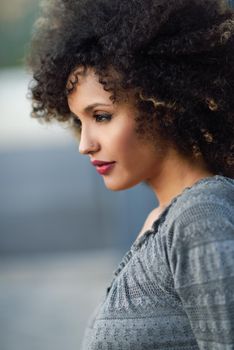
(87, 144)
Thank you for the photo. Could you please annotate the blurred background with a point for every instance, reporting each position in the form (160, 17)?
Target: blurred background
(62, 233)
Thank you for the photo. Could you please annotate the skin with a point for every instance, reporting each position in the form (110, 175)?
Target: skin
(108, 133)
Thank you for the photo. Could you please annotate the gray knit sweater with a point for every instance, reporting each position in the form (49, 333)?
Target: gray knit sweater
(174, 288)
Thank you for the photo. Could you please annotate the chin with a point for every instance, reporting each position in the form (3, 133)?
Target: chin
(119, 186)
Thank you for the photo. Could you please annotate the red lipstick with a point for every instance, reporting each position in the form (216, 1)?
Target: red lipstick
(103, 167)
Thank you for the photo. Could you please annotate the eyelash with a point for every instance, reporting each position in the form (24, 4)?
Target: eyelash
(100, 118)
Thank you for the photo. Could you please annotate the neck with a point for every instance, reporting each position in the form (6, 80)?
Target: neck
(177, 173)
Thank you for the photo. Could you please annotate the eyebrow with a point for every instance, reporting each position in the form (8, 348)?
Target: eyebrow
(96, 104)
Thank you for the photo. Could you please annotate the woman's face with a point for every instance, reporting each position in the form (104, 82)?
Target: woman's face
(109, 138)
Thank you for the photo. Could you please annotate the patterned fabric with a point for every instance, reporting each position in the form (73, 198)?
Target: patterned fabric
(174, 289)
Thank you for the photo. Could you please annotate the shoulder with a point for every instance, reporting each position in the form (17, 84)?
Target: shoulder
(200, 230)
(208, 198)
(202, 213)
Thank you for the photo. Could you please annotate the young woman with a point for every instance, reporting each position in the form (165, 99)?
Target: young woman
(148, 85)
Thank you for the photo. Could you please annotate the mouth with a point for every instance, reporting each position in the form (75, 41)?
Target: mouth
(104, 168)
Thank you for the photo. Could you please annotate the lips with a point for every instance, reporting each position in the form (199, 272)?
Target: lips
(103, 167)
(100, 162)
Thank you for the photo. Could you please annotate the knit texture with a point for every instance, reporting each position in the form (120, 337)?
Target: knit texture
(174, 288)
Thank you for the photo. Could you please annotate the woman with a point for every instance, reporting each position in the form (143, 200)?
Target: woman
(148, 86)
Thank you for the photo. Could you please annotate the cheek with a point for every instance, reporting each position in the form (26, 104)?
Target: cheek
(126, 138)
(127, 146)
(131, 153)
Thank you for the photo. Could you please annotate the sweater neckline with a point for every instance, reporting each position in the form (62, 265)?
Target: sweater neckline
(161, 218)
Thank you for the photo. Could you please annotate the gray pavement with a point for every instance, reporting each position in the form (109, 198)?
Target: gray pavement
(46, 300)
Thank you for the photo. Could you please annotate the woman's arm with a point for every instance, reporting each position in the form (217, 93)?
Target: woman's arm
(202, 260)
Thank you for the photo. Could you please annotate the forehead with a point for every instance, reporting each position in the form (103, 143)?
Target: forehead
(86, 89)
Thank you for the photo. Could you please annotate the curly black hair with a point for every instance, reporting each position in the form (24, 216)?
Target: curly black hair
(176, 55)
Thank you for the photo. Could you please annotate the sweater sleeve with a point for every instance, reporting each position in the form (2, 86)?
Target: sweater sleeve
(202, 263)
